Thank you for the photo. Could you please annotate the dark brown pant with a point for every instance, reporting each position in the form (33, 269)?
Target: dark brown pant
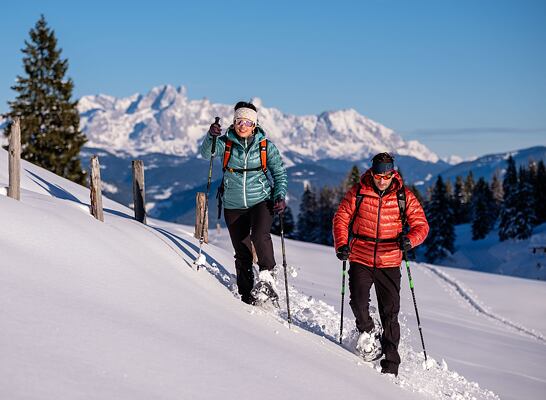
(387, 288)
(246, 226)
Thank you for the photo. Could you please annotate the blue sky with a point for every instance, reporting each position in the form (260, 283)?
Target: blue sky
(464, 77)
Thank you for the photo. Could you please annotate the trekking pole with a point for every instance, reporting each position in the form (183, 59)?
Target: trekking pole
(415, 302)
(281, 219)
(199, 260)
(343, 273)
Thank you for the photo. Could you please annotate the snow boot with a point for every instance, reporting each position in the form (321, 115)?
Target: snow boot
(368, 345)
(265, 289)
(388, 367)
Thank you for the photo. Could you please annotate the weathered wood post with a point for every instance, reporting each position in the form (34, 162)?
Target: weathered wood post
(138, 191)
(14, 188)
(95, 186)
(200, 222)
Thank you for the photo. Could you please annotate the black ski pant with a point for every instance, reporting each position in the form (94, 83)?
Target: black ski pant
(387, 288)
(246, 226)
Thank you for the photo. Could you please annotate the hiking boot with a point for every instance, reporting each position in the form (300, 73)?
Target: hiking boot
(388, 367)
(368, 345)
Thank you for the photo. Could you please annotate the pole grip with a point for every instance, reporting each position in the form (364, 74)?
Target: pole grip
(213, 152)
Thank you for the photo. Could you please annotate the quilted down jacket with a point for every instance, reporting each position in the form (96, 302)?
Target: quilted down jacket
(245, 189)
(378, 218)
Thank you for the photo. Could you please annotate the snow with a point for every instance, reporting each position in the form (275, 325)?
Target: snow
(453, 159)
(118, 310)
(511, 257)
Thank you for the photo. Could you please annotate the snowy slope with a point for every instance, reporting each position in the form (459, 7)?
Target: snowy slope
(114, 310)
(511, 257)
(166, 121)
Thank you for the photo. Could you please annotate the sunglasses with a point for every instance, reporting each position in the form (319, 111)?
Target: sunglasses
(244, 122)
(386, 176)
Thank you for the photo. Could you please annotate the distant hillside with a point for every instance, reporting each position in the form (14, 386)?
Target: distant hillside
(488, 165)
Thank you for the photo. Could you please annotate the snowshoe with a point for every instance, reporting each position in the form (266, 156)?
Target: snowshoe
(265, 289)
(368, 345)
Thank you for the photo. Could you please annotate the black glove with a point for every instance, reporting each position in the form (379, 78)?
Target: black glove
(342, 252)
(280, 206)
(215, 129)
(405, 243)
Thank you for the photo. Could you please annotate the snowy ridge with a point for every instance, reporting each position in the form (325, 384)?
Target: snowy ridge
(166, 121)
(466, 294)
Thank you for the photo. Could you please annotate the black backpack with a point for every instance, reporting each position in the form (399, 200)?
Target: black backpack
(400, 196)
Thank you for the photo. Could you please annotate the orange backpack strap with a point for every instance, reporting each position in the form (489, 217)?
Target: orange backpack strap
(263, 154)
(227, 154)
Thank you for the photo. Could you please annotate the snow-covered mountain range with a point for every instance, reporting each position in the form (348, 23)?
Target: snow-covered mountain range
(164, 128)
(166, 121)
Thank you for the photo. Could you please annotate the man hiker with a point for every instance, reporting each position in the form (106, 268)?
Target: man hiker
(253, 188)
(368, 231)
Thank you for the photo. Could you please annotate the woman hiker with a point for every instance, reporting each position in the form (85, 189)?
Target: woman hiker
(370, 216)
(253, 188)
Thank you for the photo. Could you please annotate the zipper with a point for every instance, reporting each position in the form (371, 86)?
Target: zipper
(377, 232)
(244, 174)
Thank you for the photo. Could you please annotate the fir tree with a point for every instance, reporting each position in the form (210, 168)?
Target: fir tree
(307, 218)
(326, 208)
(352, 179)
(417, 194)
(540, 193)
(460, 208)
(497, 192)
(50, 135)
(525, 206)
(468, 190)
(483, 210)
(288, 224)
(507, 224)
(441, 238)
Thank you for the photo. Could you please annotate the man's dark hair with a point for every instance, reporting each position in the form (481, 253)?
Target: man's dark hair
(244, 104)
(382, 158)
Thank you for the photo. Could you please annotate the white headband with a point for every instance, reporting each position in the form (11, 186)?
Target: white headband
(246, 113)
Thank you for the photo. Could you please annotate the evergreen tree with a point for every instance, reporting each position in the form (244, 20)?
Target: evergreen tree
(540, 193)
(352, 179)
(525, 206)
(50, 135)
(307, 219)
(441, 238)
(483, 210)
(460, 209)
(327, 204)
(417, 194)
(507, 224)
(468, 190)
(288, 224)
(498, 194)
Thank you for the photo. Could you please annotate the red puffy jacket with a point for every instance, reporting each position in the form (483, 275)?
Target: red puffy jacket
(378, 217)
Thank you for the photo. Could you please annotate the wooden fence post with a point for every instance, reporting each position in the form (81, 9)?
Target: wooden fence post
(199, 211)
(138, 191)
(14, 188)
(95, 186)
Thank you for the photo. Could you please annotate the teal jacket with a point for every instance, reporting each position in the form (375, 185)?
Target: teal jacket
(246, 189)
